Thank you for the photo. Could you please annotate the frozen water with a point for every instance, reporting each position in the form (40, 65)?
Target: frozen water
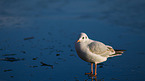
(37, 39)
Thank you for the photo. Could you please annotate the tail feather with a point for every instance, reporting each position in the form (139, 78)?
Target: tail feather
(117, 53)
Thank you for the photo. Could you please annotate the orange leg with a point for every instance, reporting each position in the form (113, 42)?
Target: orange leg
(91, 70)
(95, 69)
(91, 74)
(94, 75)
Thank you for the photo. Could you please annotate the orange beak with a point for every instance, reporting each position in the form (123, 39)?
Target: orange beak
(78, 41)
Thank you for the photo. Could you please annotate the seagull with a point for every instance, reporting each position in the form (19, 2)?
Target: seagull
(94, 51)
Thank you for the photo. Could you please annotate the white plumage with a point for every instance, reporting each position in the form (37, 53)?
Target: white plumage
(93, 51)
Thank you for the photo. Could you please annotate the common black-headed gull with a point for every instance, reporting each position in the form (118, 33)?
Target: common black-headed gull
(94, 51)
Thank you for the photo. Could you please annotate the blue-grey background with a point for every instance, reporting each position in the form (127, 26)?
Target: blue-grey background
(36, 31)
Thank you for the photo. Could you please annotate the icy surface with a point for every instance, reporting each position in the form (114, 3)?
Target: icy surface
(37, 39)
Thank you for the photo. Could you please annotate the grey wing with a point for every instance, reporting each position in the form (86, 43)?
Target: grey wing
(98, 48)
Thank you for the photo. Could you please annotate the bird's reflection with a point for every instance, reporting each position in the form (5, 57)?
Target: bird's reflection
(94, 78)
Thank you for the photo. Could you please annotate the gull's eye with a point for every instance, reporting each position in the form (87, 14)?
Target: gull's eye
(82, 37)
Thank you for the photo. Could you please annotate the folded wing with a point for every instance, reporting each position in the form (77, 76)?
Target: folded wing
(103, 50)
(99, 48)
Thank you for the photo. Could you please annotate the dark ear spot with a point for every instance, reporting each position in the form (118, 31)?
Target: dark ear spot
(86, 37)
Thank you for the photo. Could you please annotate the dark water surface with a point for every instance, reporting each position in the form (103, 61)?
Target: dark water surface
(37, 39)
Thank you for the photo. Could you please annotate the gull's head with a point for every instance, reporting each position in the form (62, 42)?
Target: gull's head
(82, 37)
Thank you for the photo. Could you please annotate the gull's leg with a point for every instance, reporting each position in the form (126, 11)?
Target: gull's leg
(91, 70)
(94, 75)
(95, 69)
